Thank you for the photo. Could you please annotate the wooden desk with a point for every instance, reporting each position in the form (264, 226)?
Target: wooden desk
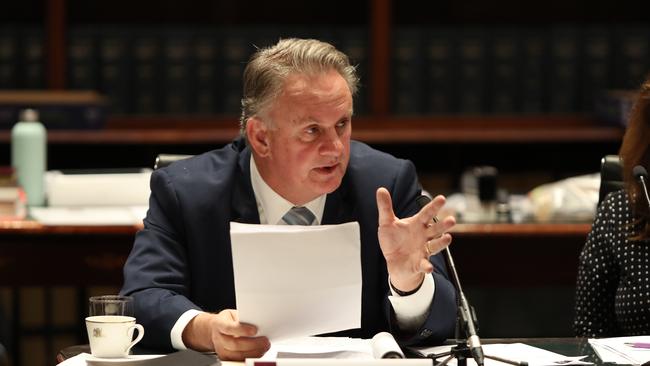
(566, 346)
(498, 264)
(518, 254)
(33, 254)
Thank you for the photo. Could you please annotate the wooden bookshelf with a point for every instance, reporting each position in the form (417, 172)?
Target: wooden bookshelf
(386, 130)
(378, 127)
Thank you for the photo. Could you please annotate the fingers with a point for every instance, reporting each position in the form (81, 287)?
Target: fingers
(434, 246)
(228, 323)
(239, 348)
(385, 207)
(233, 340)
(435, 230)
(431, 209)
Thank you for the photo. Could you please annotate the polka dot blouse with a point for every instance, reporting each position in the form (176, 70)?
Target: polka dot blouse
(613, 287)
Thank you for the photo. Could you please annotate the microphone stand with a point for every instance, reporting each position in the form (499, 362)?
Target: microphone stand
(468, 343)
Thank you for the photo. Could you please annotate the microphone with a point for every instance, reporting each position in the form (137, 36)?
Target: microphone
(473, 341)
(642, 175)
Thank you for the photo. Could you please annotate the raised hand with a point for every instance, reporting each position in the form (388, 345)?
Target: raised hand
(408, 243)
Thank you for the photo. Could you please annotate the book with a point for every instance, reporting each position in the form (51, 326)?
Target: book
(406, 78)
(472, 71)
(115, 68)
(13, 203)
(533, 68)
(32, 63)
(176, 70)
(563, 70)
(8, 57)
(236, 50)
(632, 52)
(353, 42)
(147, 68)
(81, 52)
(596, 58)
(206, 58)
(439, 71)
(504, 53)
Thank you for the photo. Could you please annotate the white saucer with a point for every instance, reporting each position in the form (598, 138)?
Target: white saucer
(130, 359)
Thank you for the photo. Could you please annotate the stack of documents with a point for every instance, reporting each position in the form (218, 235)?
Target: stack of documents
(623, 350)
(95, 198)
(382, 345)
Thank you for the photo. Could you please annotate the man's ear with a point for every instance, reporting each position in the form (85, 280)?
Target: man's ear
(257, 133)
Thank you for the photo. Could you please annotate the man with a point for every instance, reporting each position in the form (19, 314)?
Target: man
(296, 151)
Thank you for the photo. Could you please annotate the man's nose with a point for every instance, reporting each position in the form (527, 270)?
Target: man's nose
(332, 144)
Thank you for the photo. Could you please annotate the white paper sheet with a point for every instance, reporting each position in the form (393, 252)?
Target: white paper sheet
(515, 352)
(620, 350)
(93, 216)
(377, 347)
(296, 281)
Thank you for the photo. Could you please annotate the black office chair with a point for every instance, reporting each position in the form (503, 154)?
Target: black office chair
(611, 176)
(162, 160)
(4, 357)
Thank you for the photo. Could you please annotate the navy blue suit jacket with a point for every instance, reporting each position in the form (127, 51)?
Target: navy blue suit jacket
(182, 260)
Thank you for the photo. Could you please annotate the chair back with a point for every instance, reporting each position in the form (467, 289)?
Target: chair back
(4, 358)
(611, 176)
(162, 160)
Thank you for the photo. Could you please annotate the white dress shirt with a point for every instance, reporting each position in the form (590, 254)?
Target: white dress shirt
(410, 311)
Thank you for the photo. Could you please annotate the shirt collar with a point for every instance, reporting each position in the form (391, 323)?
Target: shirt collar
(271, 206)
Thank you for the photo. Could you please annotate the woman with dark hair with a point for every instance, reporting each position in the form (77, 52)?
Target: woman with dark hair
(613, 287)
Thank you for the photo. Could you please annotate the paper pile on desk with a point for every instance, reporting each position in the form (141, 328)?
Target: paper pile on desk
(515, 352)
(99, 189)
(296, 281)
(622, 350)
(100, 198)
(379, 346)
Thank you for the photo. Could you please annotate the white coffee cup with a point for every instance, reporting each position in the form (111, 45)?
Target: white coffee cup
(111, 336)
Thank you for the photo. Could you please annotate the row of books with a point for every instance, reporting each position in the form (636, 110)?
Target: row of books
(170, 70)
(523, 70)
(433, 70)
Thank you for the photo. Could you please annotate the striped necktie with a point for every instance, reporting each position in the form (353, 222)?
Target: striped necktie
(299, 216)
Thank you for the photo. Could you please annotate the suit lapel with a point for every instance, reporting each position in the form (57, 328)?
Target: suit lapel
(243, 204)
(340, 206)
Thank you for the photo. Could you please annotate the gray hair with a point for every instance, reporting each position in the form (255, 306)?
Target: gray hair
(268, 68)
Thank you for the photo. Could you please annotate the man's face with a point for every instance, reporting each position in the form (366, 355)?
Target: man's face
(308, 137)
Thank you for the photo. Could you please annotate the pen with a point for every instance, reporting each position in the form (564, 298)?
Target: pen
(638, 345)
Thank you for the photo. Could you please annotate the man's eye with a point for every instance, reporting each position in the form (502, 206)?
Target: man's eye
(311, 130)
(341, 124)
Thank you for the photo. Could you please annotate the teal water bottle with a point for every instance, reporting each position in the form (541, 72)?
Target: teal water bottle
(29, 156)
